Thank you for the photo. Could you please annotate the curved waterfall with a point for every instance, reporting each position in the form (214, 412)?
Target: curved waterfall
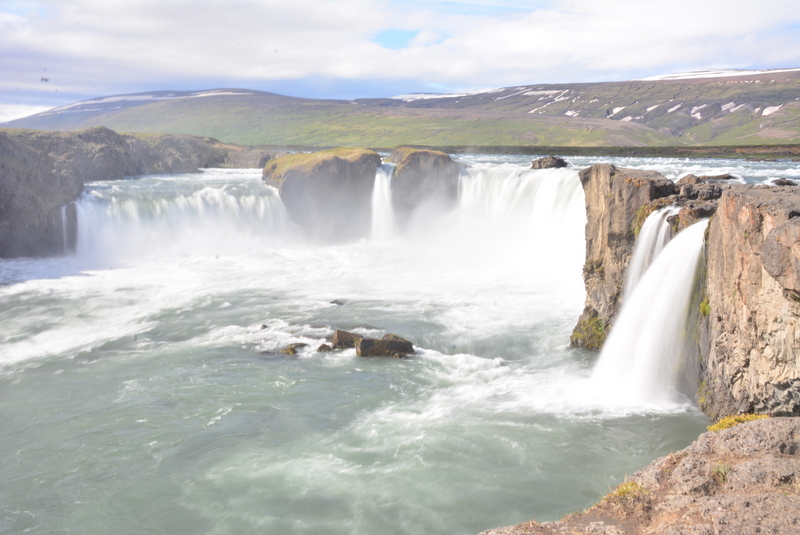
(159, 214)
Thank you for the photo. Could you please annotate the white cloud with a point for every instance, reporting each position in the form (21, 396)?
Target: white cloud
(95, 45)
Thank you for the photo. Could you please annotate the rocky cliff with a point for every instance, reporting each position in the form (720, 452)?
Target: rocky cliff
(744, 320)
(422, 177)
(41, 173)
(614, 201)
(750, 332)
(741, 480)
(327, 193)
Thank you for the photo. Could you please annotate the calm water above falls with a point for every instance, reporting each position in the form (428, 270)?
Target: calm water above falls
(139, 393)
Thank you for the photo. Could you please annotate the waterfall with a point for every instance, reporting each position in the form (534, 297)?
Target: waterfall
(641, 359)
(653, 236)
(383, 221)
(126, 219)
(64, 232)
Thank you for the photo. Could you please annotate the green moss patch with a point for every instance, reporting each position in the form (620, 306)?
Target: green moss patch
(589, 334)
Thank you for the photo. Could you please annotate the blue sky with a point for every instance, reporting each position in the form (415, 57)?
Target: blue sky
(368, 48)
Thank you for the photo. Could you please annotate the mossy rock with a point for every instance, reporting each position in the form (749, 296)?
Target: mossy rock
(590, 333)
(277, 169)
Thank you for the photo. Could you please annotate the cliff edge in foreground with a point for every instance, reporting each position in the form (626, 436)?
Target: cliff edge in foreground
(738, 481)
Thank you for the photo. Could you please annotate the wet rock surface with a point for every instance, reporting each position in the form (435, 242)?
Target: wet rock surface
(742, 480)
(390, 345)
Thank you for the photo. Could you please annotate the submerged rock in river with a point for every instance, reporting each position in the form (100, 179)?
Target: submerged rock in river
(390, 346)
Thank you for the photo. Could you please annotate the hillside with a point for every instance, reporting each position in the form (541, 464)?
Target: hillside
(743, 109)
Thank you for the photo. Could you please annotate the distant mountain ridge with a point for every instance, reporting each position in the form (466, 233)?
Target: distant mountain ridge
(709, 108)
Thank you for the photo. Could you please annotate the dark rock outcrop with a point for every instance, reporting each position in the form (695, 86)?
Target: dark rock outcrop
(390, 345)
(745, 479)
(41, 172)
(614, 202)
(549, 162)
(327, 193)
(422, 177)
(345, 339)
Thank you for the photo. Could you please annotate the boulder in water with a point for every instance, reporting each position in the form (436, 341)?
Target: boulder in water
(372, 347)
(549, 162)
(324, 348)
(422, 177)
(327, 193)
(345, 339)
(291, 349)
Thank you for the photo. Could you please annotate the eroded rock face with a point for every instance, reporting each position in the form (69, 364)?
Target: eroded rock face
(549, 162)
(741, 480)
(327, 193)
(751, 334)
(41, 172)
(422, 177)
(614, 198)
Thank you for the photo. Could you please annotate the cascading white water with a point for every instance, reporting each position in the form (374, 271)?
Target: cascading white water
(547, 206)
(185, 217)
(653, 236)
(64, 233)
(641, 358)
(383, 220)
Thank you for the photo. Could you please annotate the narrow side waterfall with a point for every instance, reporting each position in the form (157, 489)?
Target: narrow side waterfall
(64, 231)
(383, 219)
(641, 359)
(653, 236)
